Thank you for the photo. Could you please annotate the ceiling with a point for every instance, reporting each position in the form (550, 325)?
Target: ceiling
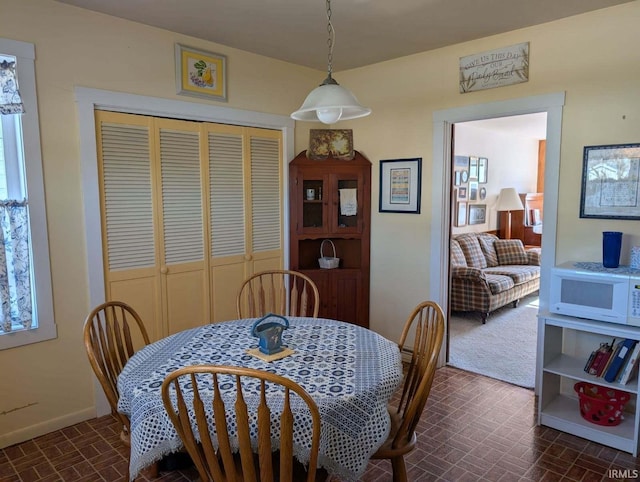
(367, 31)
(529, 126)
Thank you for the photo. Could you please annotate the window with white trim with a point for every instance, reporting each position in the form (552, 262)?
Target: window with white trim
(26, 304)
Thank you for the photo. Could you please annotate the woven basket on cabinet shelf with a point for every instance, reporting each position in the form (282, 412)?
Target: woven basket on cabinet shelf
(328, 262)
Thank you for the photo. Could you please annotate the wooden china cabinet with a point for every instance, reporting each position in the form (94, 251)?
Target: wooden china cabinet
(322, 197)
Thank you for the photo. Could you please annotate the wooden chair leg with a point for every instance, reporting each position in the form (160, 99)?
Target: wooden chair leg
(152, 471)
(399, 469)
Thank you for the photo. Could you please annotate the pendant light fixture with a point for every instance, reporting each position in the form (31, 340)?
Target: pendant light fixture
(330, 102)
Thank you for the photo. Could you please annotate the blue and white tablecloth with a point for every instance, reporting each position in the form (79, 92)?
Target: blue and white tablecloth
(350, 372)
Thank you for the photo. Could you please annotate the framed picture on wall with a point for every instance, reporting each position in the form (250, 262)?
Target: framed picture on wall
(200, 73)
(461, 214)
(473, 191)
(473, 168)
(400, 182)
(482, 170)
(462, 193)
(461, 162)
(477, 213)
(611, 182)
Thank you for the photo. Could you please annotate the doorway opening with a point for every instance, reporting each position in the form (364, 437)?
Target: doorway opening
(552, 104)
(494, 158)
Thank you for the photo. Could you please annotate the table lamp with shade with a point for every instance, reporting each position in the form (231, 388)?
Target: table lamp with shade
(508, 200)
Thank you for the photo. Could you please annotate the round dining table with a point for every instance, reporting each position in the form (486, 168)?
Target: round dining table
(351, 373)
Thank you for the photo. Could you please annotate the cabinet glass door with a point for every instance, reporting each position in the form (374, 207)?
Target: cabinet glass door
(314, 217)
(347, 213)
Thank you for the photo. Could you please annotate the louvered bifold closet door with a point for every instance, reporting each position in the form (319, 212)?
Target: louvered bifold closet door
(265, 151)
(185, 277)
(128, 230)
(227, 217)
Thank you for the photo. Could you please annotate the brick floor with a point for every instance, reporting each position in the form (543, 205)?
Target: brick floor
(473, 429)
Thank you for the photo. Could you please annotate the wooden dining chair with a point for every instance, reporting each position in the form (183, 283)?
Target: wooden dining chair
(112, 333)
(426, 326)
(281, 292)
(193, 399)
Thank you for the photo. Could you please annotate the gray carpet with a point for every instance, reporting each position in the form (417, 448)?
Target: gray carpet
(504, 348)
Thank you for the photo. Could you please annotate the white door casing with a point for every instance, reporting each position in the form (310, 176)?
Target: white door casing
(552, 104)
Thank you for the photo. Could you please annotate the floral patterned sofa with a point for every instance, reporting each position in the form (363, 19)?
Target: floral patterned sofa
(488, 273)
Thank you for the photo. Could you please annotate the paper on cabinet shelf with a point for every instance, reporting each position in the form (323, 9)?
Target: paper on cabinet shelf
(348, 202)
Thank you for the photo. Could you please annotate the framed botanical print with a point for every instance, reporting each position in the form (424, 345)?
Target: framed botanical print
(200, 73)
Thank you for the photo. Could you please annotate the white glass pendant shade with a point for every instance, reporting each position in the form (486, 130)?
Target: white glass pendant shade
(330, 103)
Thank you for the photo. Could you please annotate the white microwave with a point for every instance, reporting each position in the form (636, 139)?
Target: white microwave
(588, 290)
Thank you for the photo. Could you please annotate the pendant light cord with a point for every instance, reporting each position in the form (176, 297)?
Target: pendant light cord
(330, 41)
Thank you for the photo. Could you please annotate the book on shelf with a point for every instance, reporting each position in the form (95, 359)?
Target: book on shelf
(590, 360)
(630, 367)
(595, 363)
(599, 359)
(612, 357)
(604, 363)
(621, 354)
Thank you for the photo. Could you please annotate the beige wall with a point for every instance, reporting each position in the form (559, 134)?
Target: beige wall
(591, 57)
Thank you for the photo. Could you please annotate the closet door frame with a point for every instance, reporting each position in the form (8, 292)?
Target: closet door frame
(88, 101)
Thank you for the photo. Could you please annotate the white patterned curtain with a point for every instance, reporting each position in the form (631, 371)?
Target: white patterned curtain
(10, 100)
(15, 269)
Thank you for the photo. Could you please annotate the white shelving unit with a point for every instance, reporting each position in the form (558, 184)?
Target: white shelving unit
(561, 360)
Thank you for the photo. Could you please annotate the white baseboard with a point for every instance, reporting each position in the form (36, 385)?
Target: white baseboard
(32, 431)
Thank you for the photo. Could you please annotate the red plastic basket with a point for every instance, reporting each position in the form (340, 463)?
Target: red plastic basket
(601, 405)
